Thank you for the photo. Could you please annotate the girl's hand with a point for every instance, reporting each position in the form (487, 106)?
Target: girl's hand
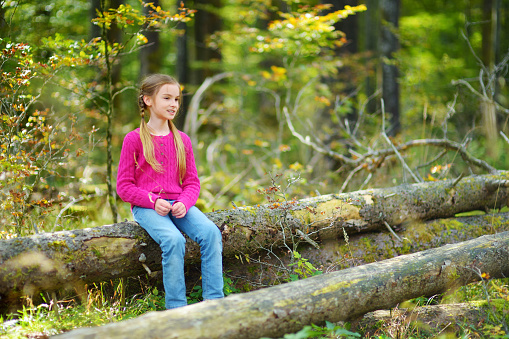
(162, 207)
(178, 210)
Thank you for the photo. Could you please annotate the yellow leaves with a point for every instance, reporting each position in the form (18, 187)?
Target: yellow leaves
(277, 163)
(323, 100)
(437, 170)
(141, 39)
(284, 148)
(430, 178)
(296, 166)
(126, 16)
(278, 74)
(305, 32)
(229, 148)
(440, 168)
(261, 143)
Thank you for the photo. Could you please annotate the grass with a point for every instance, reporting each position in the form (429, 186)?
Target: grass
(49, 318)
(104, 304)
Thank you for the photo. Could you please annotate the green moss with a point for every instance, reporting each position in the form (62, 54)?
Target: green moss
(96, 252)
(496, 309)
(469, 214)
(57, 245)
(335, 287)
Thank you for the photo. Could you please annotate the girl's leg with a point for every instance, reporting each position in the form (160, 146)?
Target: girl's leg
(200, 229)
(172, 244)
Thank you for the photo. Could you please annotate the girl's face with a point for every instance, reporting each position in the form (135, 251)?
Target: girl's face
(165, 103)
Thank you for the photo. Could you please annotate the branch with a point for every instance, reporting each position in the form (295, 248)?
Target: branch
(307, 141)
(191, 122)
(504, 136)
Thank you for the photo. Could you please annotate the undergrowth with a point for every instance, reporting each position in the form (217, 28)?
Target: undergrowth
(49, 318)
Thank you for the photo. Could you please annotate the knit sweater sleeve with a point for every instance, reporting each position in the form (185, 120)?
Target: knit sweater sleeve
(191, 182)
(127, 189)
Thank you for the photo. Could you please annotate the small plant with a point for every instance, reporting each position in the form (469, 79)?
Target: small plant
(195, 296)
(304, 268)
(330, 330)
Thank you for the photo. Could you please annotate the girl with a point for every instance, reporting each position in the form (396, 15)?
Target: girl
(157, 175)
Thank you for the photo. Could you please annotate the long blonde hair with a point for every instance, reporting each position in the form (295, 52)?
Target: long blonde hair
(150, 87)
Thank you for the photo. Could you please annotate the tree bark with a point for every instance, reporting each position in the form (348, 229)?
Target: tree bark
(68, 259)
(151, 54)
(207, 23)
(390, 71)
(338, 296)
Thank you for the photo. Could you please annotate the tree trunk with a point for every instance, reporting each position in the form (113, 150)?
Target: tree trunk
(488, 108)
(371, 39)
(390, 71)
(207, 22)
(66, 259)
(338, 296)
(150, 55)
(182, 71)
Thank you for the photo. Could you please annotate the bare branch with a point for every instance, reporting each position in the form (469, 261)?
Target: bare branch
(403, 163)
(307, 141)
(504, 136)
(191, 124)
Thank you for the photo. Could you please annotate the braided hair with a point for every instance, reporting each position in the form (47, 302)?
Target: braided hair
(150, 87)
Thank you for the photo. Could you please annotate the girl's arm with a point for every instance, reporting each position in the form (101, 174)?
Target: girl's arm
(191, 182)
(127, 187)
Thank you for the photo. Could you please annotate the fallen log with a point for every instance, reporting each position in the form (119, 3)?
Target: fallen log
(337, 296)
(60, 260)
(264, 270)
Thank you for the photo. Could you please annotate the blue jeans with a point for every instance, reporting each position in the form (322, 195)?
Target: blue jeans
(165, 230)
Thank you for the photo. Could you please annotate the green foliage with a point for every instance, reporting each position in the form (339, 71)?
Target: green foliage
(304, 268)
(330, 330)
(35, 144)
(304, 32)
(195, 295)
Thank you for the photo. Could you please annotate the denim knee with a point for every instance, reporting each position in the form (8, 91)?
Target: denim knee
(213, 234)
(173, 241)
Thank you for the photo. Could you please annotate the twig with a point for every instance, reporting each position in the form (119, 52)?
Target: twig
(444, 152)
(307, 141)
(392, 231)
(73, 201)
(403, 163)
(458, 179)
(308, 239)
(232, 183)
(504, 136)
(350, 176)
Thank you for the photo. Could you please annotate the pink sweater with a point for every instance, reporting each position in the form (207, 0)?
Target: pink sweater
(139, 185)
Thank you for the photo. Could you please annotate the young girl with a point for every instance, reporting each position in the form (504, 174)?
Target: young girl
(157, 175)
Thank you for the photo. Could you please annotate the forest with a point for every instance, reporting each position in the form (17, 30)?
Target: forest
(354, 155)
